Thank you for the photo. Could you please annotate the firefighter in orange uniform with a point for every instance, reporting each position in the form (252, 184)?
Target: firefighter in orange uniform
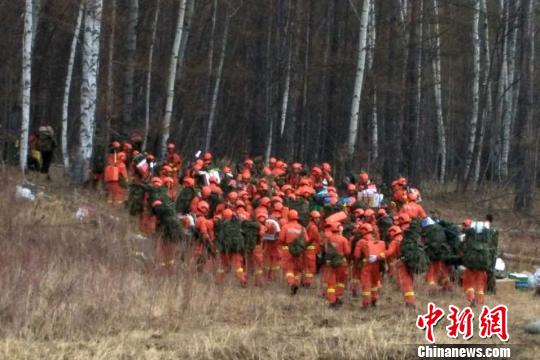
(292, 265)
(368, 250)
(205, 229)
(402, 274)
(312, 249)
(336, 276)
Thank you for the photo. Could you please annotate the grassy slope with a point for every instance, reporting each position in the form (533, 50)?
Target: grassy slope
(75, 290)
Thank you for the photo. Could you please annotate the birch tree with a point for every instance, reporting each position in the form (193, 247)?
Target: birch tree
(371, 40)
(110, 80)
(359, 79)
(217, 82)
(475, 90)
(67, 88)
(437, 89)
(153, 30)
(131, 47)
(90, 68)
(171, 77)
(26, 81)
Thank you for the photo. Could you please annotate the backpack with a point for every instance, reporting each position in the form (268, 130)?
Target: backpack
(229, 236)
(250, 231)
(453, 239)
(332, 256)
(413, 252)
(298, 246)
(384, 223)
(437, 248)
(477, 252)
(183, 201)
(167, 222)
(46, 142)
(135, 201)
(112, 173)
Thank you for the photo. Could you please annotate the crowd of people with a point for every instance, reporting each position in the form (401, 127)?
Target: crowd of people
(264, 222)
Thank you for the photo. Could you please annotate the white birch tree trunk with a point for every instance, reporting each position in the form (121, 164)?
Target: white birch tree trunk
(110, 80)
(511, 90)
(190, 9)
(268, 76)
(90, 68)
(486, 91)
(437, 89)
(131, 47)
(359, 79)
(153, 31)
(26, 82)
(475, 89)
(217, 84)
(371, 40)
(67, 88)
(171, 77)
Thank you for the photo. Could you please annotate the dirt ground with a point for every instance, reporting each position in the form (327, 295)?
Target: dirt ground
(83, 289)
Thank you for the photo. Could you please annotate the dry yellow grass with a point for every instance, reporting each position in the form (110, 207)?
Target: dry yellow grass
(72, 290)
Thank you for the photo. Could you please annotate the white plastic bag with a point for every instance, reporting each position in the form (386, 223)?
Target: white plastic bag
(24, 193)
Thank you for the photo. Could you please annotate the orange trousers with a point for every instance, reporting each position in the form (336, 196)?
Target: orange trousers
(356, 275)
(309, 260)
(237, 261)
(405, 282)
(336, 278)
(474, 285)
(228, 260)
(165, 258)
(147, 223)
(115, 193)
(370, 276)
(438, 273)
(223, 267)
(271, 259)
(292, 266)
(255, 263)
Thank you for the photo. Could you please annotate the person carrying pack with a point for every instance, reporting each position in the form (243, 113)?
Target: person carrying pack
(337, 249)
(438, 250)
(292, 239)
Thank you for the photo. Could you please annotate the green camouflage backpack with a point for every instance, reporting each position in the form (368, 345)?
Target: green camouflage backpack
(435, 240)
(183, 201)
(298, 246)
(135, 201)
(453, 239)
(250, 231)
(302, 207)
(167, 222)
(384, 223)
(413, 252)
(229, 236)
(332, 256)
(477, 249)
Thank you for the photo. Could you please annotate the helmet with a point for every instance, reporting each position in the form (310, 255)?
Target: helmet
(207, 156)
(264, 186)
(335, 227)
(115, 145)
(467, 223)
(266, 171)
(363, 177)
(381, 212)
(262, 215)
(286, 187)
(265, 201)
(167, 180)
(351, 187)
(272, 160)
(315, 214)
(171, 146)
(121, 156)
(331, 190)
(156, 181)
(243, 194)
(401, 181)
(412, 196)
(278, 207)
(326, 167)
(227, 169)
(127, 146)
(358, 212)
(213, 180)
(150, 157)
(246, 175)
(297, 166)
(316, 171)
(394, 230)
(277, 199)
(366, 229)
(232, 196)
(167, 168)
(404, 218)
(156, 203)
(206, 191)
(248, 162)
(293, 215)
(227, 214)
(240, 203)
(303, 182)
(188, 181)
(136, 152)
(203, 206)
(369, 213)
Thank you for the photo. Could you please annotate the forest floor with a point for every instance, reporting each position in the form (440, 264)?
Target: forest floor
(82, 289)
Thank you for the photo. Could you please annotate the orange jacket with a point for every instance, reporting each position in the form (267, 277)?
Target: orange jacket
(290, 231)
(394, 249)
(314, 235)
(369, 247)
(360, 246)
(206, 228)
(414, 210)
(341, 244)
